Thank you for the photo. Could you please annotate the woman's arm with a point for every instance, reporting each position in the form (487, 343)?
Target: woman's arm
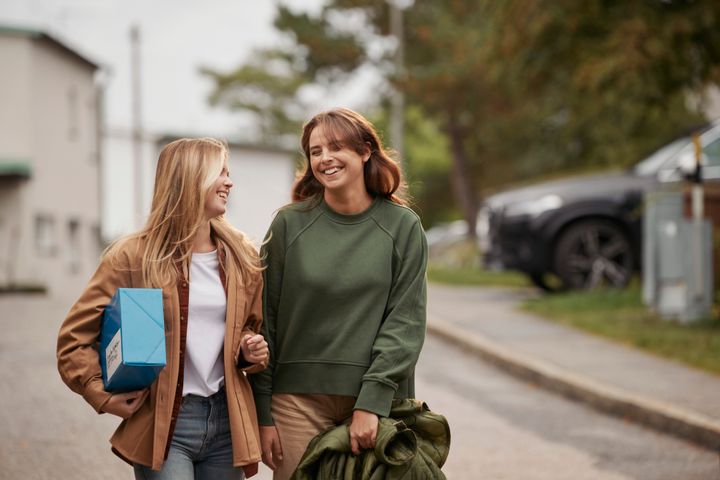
(254, 356)
(77, 355)
(397, 345)
(273, 254)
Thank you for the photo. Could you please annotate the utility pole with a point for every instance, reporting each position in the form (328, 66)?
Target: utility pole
(137, 123)
(697, 205)
(101, 80)
(397, 120)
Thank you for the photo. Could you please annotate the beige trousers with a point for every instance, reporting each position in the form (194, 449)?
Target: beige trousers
(299, 417)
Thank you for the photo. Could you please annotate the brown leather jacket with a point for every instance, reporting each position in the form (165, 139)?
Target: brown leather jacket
(144, 437)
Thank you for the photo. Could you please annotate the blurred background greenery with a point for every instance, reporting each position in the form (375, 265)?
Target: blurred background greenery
(495, 92)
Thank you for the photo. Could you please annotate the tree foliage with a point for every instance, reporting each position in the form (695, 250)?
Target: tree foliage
(503, 90)
(268, 87)
(606, 81)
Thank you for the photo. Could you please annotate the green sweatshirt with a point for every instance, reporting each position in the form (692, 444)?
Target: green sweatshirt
(344, 304)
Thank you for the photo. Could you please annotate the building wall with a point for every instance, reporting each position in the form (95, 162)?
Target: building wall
(118, 182)
(16, 93)
(263, 180)
(15, 144)
(57, 208)
(10, 229)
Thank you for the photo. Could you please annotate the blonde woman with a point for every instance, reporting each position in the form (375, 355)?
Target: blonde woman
(197, 420)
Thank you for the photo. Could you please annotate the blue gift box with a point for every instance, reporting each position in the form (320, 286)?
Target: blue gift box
(132, 339)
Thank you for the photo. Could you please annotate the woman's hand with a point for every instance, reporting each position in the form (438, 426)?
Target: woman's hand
(124, 405)
(270, 446)
(254, 348)
(363, 430)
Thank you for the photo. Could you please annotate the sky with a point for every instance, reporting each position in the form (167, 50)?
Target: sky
(178, 36)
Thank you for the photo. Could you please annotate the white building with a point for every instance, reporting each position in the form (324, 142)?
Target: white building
(67, 184)
(263, 177)
(49, 163)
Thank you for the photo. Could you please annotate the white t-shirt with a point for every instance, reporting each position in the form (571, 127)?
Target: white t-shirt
(204, 373)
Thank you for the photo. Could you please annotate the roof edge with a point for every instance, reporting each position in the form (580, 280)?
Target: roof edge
(41, 34)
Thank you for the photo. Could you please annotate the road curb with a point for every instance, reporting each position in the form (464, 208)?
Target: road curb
(661, 416)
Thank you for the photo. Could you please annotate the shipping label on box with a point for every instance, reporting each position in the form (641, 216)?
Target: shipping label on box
(132, 339)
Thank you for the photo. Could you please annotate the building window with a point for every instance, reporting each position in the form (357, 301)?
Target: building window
(93, 127)
(73, 246)
(100, 243)
(45, 235)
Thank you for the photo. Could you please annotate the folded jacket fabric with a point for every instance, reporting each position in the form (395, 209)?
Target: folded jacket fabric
(413, 443)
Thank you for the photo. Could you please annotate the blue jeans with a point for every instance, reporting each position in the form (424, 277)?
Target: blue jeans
(201, 447)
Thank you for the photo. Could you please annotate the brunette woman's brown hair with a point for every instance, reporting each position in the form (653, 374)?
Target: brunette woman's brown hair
(383, 177)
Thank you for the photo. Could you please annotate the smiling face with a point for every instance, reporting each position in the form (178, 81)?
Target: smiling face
(337, 167)
(217, 197)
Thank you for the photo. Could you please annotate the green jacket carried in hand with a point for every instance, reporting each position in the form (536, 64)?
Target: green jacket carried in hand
(412, 444)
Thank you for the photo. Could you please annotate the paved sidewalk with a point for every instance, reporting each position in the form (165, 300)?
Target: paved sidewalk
(621, 380)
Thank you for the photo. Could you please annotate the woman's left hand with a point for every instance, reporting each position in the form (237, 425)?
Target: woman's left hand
(363, 431)
(255, 348)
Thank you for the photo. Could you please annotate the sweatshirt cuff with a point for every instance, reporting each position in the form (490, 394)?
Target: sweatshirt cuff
(375, 397)
(264, 413)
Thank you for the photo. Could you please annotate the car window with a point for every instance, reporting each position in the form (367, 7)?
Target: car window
(712, 152)
(661, 159)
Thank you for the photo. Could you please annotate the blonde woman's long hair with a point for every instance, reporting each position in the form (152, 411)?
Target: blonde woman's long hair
(186, 171)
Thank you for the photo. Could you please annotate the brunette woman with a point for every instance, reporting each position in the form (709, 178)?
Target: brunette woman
(344, 294)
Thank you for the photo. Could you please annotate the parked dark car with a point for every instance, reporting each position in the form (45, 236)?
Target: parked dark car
(585, 230)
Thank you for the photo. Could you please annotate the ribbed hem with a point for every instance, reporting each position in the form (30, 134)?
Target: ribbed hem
(330, 379)
(375, 397)
(323, 378)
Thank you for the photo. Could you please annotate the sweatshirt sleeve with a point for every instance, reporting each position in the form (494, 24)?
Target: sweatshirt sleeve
(253, 325)
(273, 254)
(402, 333)
(77, 356)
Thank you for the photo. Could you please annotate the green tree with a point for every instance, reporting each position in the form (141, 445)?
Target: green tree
(348, 35)
(427, 164)
(514, 88)
(267, 86)
(604, 82)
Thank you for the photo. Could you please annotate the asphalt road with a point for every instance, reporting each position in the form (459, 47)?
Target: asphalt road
(502, 428)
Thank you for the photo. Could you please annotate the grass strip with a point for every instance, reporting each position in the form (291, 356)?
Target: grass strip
(621, 316)
(476, 276)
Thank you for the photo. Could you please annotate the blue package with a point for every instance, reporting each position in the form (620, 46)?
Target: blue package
(132, 339)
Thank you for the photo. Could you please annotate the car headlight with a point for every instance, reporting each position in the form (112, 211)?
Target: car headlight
(533, 208)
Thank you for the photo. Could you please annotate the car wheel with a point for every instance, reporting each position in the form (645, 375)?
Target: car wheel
(592, 254)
